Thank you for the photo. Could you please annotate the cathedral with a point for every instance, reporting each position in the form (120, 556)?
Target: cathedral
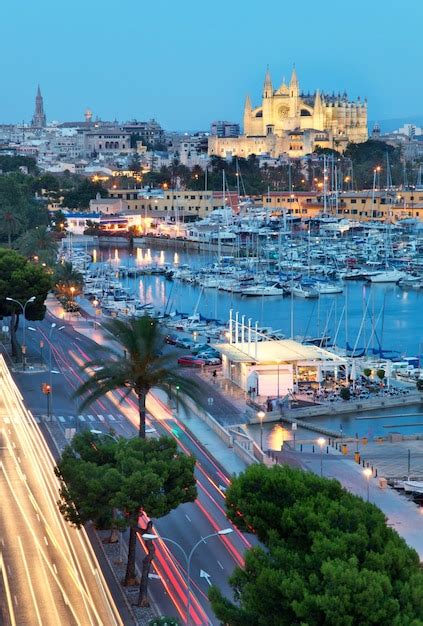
(294, 123)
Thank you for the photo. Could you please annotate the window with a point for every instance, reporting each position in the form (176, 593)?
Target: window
(353, 201)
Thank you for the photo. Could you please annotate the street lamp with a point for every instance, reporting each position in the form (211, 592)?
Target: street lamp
(188, 557)
(278, 363)
(23, 307)
(261, 415)
(321, 441)
(368, 474)
(177, 400)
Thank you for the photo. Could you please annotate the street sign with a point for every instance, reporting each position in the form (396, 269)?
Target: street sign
(294, 425)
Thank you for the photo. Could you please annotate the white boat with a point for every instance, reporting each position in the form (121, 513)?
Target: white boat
(387, 276)
(328, 288)
(413, 486)
(262, 290)
(303, 292)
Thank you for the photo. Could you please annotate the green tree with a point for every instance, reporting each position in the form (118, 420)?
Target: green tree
(79, 197)
(139, 367)
(66, 277)
(328, 556)
(39, 242)
(21, 280)
(380, 373)
(367, 371)
(10, 223)
(99, 475)
(345, 393)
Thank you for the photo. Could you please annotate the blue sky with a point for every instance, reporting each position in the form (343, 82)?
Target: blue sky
(187, 63)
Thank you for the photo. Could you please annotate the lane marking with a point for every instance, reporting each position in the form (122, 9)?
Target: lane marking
(220, 565)
(31, 588)
(188, 518)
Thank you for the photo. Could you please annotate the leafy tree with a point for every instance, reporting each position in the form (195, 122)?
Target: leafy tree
(21, 280)
(367, 371)
(380, 373)
(79, 197)
(99, 475)
(369, 155)
(66, 277)
(140, 368)
(38, 242)
(10, 223)
(328, 556)
(419, 384)
(13, 163)
(345, 393)
(135, 162)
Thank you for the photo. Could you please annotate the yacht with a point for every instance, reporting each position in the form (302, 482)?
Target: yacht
(386, 276)
(262, 290)
(300, 291)
(328, 288)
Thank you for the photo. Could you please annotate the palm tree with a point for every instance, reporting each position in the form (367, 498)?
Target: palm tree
(38, 242)
(65, 277)
(140, 368)
(10, 223)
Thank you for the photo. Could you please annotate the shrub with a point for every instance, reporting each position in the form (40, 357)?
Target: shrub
(345, 393)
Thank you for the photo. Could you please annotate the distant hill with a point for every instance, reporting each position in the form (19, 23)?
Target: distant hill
(387, 126)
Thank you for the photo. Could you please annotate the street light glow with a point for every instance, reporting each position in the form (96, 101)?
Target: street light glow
(321, 441)
(367, 472)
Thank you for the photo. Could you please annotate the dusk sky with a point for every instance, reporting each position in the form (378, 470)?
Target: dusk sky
(186, 63)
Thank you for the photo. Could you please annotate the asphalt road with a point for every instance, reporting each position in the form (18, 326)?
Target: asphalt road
(49, 574)
(216, 557)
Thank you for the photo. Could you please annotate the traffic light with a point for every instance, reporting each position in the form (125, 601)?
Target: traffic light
(46, 388)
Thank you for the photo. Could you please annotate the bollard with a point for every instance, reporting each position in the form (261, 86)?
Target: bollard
(301, 447)
(376, 472)
(313, 447)
(327, 449)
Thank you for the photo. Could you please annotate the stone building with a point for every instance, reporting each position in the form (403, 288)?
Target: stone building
(291, 122)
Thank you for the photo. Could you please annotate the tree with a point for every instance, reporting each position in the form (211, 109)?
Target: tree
(380, 373)
(79, 197)
(21, 280)
(419, 384)
(367, 371)
(10, 223)
(345, 393)
(328, 556)
(66, 277)
(140, 367)
(39, 243)
(99, 475)
(135, 162)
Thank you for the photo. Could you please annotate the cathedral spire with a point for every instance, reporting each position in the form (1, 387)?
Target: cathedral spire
(318, 103)
(39, 117)
(248, 106)
(267, 88)
(294, 87)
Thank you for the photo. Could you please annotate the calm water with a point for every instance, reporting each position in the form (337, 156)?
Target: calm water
(396, 315)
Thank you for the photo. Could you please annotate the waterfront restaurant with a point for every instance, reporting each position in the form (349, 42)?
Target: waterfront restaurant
(267, 367)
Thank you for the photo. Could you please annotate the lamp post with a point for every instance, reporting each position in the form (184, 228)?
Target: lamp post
(52, 327)
(261, 415)
(278, 363)
(23, 307)
(188, 557)
(368, 473)
(177, 400)
(321, 441)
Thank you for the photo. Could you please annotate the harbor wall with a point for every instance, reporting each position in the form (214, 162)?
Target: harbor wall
(184, 244)
(361, 406)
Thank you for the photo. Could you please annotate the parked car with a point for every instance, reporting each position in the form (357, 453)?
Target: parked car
(209, 354)
(184, 343)
(191, 361)
(200, 347)
(171, 339)
(212, 360)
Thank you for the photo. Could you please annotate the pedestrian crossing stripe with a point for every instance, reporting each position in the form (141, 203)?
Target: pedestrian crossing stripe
(91, 418)
(81, 418)
(101, 418)
(67, 418)
(61, 418)
(111, 417)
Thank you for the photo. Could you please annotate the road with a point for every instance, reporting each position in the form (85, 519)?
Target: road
(187, 524)
(48, 571)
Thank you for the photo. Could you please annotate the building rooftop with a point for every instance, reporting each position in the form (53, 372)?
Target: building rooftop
(274, 351)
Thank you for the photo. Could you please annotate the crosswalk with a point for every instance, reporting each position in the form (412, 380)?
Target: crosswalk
(72, 419)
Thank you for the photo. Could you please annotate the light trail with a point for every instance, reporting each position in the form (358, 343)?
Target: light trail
(65, 561)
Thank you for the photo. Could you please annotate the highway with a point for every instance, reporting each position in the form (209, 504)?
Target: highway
(48, 571)
(187, 524)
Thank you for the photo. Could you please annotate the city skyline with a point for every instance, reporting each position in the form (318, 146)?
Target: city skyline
(199, 70)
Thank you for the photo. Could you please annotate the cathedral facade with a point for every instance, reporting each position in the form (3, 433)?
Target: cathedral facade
(294, 123)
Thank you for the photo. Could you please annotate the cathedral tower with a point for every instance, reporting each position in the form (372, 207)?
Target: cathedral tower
(39, 118)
